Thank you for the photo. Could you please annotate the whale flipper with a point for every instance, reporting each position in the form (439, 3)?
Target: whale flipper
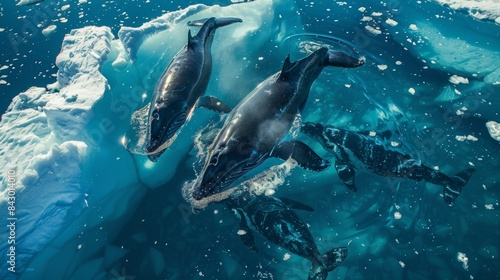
(247, 238)
(328, 262)
(333, 258)
(301, 153)
(213, 103)
(453, 189)
(295, 204)
(346, 174)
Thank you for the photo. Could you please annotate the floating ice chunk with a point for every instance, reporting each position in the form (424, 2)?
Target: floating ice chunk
(362, 9)
(471, 138)
(65, 7)
(49, 30)
(82, 1)
(454, 79)
(120, 63)
(241, 232)
(489, 206)
(394, 143)
(461, 257)
(462, 138)
(81, 78)
(3, 82)
(4, 67)
(391, 22)
(376, 14)
(382, 67)
(372, 133)
(287, 256)
(480, 10)
(397, 215)
(28, 2)
(494, 129)
(402, 264)
(413, 27)
(373, 30)
(132, 37)
(2, 29)
(366, 18)
(411, 91)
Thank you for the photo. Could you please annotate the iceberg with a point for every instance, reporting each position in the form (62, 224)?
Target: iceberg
(88, 209)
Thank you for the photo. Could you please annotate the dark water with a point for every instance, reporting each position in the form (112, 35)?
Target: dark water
(159, 237)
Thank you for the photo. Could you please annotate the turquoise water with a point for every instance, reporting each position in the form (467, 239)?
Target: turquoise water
(138, 225)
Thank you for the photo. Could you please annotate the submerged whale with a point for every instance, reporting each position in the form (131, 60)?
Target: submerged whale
(255, 127)
(358, 150)
(181, 87)
(274, 219)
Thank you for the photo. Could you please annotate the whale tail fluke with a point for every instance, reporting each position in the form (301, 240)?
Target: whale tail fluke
(218, 22)
(329, 261)
(453, 189)
(341, 59)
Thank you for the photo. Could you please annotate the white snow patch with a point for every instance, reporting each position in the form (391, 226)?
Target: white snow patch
(287, 256)
(382, 67)
(373, 30)
(494, 129)
(479, 9)
(454, 79)
(391, 22)
(47, 31)
(397, 215)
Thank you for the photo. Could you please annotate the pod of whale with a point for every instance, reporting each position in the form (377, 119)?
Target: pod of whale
(254, 129)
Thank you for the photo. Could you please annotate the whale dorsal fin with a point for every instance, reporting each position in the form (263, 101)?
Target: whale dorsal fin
(190, 40)
(287, 66)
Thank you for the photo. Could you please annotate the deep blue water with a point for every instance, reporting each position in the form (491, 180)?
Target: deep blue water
(163, 239)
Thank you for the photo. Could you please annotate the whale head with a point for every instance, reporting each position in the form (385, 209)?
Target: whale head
(164, 121)
(225, 163)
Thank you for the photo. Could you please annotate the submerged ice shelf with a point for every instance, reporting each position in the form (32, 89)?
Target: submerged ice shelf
(77, 185)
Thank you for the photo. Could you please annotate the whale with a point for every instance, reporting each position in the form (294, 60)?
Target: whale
(369, 152)
(275, 219)
(181, 87)
(253, 131)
